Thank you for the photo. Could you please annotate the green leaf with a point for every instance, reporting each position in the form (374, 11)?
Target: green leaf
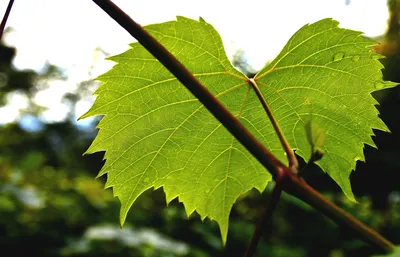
(334, 71)
(316, 138)
(157, 134)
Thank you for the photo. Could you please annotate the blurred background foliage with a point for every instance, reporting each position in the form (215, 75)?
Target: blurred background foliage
(51, 205)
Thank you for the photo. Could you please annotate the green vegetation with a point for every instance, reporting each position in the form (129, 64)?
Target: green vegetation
(50, 204)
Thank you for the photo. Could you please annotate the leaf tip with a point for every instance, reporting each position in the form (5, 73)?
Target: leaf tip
(99, 175)
(122, 215)
(384, 85)
(224, 233)
(349, 193)
(85, 115)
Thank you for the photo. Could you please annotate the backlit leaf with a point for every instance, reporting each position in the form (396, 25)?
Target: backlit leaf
(316, 138)
(156, 134)
(334, 71)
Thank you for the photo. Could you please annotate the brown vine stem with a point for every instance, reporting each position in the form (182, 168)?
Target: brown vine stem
(285, 144)
(4, 21)
(273, 200)
(291, 183)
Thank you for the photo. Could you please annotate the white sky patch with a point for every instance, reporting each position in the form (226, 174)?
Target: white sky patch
(67, 33)
(56, 108)
(16, 101)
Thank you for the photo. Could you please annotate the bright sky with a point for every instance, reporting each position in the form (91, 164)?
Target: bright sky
(67, 34)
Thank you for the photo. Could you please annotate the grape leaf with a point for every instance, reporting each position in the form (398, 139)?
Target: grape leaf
(329, 73)
(156, 134)
(316, 138)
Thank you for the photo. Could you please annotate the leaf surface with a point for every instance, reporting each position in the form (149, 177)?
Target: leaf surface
(328, 73)
(316, 139)
(156, 134)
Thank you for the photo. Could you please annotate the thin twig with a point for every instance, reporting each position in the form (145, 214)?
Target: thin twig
(258, 150)
(4, 21)
(285, 144)
(272, 202)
